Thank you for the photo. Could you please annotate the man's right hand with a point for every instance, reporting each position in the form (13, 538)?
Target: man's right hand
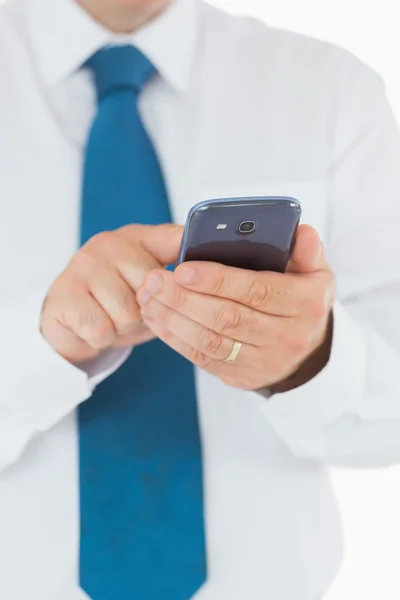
(92, 305)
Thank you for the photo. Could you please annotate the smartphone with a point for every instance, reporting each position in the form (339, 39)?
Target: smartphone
(255, 233)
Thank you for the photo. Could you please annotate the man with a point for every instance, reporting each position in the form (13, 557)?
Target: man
(122, 476)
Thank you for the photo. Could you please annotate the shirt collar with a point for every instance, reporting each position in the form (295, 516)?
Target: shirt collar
(64, 36)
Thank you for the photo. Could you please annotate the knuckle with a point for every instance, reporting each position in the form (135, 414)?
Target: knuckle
(125, 298)
(95, 328)
(99, 245)
(84, 261)
(88, 319)
(104, 240)
(218, 285)
(101, 338)
(128, 309)
(179, 298)
(260, 293)
(199, 358)
(227, 318)
(255, 326)
(210, 342)
(131, 230)
(160, 312)
(131, 237)
(166, 336)
(60, 298)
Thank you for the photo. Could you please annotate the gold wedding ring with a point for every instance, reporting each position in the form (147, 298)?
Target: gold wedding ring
(234, 354)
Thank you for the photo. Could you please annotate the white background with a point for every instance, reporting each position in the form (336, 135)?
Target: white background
(369, 500)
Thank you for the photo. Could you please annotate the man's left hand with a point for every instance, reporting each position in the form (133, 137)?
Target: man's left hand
(281, 319)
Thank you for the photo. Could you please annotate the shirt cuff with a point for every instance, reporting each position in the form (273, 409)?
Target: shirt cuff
(105, 365)
(300, 416)
(43, 386)
(38, 387)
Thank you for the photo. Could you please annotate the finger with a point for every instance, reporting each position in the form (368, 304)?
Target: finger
(116, 297)
(86, 318)
(224, 317)
(192, 354)
(65, 341)
(183, 348)
(134, 265)
(161, 241)
(308, 253)
(132, 252)
(204, 340)
(266, 292)
(139, 336)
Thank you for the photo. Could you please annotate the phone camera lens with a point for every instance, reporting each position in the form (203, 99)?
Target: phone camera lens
(247, 227)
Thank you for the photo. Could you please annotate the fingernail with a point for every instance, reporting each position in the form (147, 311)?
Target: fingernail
(143, 296)
(154, 282)
(187, 275)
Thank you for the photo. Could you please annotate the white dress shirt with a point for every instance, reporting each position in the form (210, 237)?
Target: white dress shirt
(238, 109)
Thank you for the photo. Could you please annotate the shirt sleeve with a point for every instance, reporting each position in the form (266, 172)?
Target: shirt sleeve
(349, 414)
(38, 387)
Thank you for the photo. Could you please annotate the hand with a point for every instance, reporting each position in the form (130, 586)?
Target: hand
(92, 305)
(281, 319)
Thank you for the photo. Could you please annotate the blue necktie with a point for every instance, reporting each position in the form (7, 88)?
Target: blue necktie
(142, 529)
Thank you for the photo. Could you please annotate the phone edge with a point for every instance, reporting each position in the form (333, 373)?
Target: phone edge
(213, 201)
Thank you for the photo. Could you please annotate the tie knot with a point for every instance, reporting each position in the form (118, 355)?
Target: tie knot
(119, 67)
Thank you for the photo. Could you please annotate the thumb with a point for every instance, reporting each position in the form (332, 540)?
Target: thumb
(161, 241)
(308, 253)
